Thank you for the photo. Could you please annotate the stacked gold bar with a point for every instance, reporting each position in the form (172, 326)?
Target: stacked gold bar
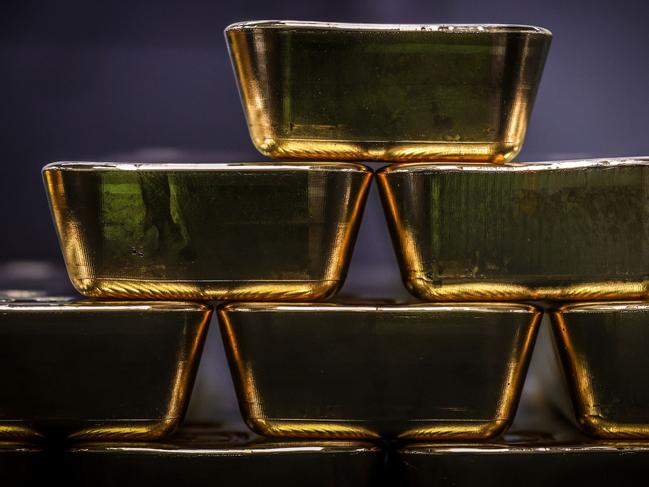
(396, 93)
(403, 94)
(478, 239)
(207, 231)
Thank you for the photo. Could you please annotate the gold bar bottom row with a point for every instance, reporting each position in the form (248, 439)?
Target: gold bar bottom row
(426, 372)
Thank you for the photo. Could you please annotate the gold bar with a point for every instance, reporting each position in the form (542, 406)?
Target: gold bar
(424, 371)
(203, 457)
(317, 90)
(207, 231)
(603, 350)
(570, 230)
(89, 370)
(528, 461)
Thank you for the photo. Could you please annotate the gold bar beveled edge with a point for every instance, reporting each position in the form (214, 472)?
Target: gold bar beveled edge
(446, 429)
(406, 152)
(533, 446)
(454, 430)
(509, 167)
(89, 305)
(505, 291)
(589, 420)
(270, 166)
(144, 289)
(449, 429)
(603, 306)
(226, 448)
(450, 29)
(107, 429)
(376, 307)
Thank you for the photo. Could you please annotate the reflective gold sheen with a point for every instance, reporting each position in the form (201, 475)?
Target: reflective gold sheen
(570, 230)
(604, 351)
(371, 371)
(207, 231)
(387, 92)
(97, 370)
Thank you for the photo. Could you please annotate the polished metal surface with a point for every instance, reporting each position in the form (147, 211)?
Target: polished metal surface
(87, 370)
(529, 461)
(570, 230)
(204, 457)
(207, 231)
(603, 349)
(369, 371)
(387, 92)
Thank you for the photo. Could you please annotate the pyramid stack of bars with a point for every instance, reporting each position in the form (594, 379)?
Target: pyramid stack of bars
(486, 245)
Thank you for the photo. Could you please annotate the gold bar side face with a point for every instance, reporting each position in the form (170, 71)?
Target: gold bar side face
(207, 231)
(367, 371)
(93, 370)
(603, 350)
(391, 93)
(571, 230)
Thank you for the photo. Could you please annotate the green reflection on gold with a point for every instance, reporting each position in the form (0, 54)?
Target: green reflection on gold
(572, 230)
(220, 231)
(398, 94)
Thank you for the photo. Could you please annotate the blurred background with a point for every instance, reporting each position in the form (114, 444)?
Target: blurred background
(150, 80)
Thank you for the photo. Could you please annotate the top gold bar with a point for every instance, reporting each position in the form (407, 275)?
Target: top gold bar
(402, 93)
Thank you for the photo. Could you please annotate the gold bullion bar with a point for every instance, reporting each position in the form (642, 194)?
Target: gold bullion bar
(426, 371)
(318, 90)
(97, 370)
(207, 231)
(569, 230)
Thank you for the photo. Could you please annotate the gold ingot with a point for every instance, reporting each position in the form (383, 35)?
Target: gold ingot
(97, 370)
(371, 371)
(205, 456)
(570, 230)
(387, 92)
(207, 231)
(603, 350)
